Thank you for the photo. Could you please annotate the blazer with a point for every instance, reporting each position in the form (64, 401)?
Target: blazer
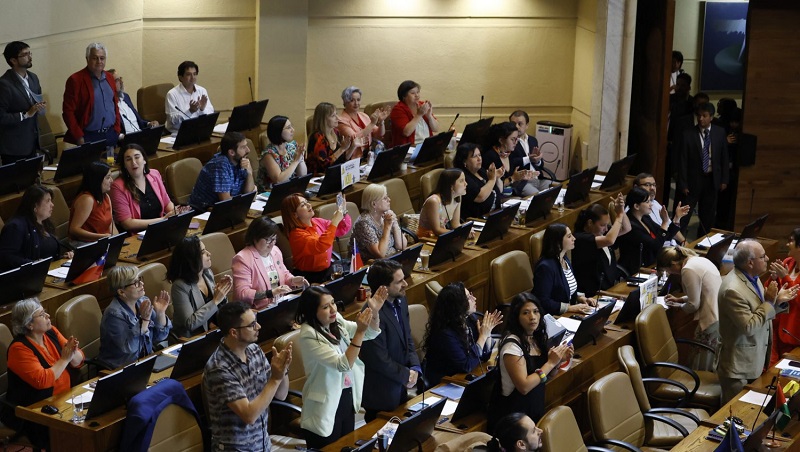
(78, 102)
(638, 239)
(745, 328)
(690, 147)
(519, 153)
(312, 246)
(550, 286)
(250, 275)
(591, 265)
(389, 359)
(191, 312)
(324, 364)
(125, 207)
(400, 116)
(21, 243)
(141, 121)
(17, 137)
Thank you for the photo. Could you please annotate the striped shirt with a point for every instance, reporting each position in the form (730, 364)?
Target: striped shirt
(571, 281)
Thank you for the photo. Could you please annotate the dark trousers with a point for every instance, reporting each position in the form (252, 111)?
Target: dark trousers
(705, 202)
(111, 136)
(343, 423)
(9, 159)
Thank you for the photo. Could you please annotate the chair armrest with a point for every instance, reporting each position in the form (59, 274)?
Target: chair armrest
(623, 271)
(618, 443)
(671, 422)
(667, 410)
(335, 256)
(550, 175)
(295, 393)
(408, 232)
(695, 343)
(682, 368)
(279, 406)
(598, 449)
(667, 381)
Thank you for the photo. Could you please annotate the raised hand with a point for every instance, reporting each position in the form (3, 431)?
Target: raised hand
(490, 321)
(69, 348)
(378, 298)
(145, 309)
(778, 270)
(680, 212)
(786, 294)
(280, 362)
(363, 320)
(203, 102)
(223, 287)
(161, 302)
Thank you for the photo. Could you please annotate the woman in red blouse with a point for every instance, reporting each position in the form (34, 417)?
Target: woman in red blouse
(326, 144)
(787, 272)
(412, 119)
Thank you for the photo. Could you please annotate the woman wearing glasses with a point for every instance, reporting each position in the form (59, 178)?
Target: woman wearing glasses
(500, 144)
(131, 323)
(259, 272)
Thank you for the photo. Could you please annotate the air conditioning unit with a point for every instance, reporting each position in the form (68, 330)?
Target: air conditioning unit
(555, 142)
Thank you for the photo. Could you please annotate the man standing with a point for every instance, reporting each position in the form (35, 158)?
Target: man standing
(746, 311)
(227, 174)
(187, 99)
(130, 119)
(392, 364)
(703, 170)
(20, 102)
(527, 154)
(658, 212)
(90, 107)
(239, 383)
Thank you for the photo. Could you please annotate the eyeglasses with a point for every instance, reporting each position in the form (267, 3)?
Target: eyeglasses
(252, 325)
(649, 185)
(138, 283)
(271, 240)
(763, 258)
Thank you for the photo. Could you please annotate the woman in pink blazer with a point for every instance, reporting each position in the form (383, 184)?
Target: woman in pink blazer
(259, 273)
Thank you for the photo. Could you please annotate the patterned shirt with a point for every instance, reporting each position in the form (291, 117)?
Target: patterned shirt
(366, 232)
(263, 182)
(217, 176)
(228, 379)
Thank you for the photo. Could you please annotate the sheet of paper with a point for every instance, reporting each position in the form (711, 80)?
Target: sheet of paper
(449, 407)
(618, 306)
(430, 400)
(710, 241)
(570, 324)
(86, 397)
(784, 364)
(203, 216)
(258, 205)
(478, 225)
(221, 128)
(560, 197)
(50, 168)
(168, 140)
(756, 398)
(60, 272)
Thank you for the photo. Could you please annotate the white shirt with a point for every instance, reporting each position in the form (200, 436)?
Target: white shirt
(655, 215)
(422, 131)
(128, 117)
(179, 97)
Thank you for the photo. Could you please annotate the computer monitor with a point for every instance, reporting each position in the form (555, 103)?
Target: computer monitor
(475, 132)
(148, 139)
(24, 281)
(87, 255)
(497, 224)
(615, 177)
(475, 397)
(592, 326)
(192, 356)
(345, 289)
(18, 176)
(115, 390)
(752, 230)
(631, 308)
(247, 116)
(229, 213)
(579, 186)
(415, 430)
(408, 258)
(433, 148)
(73, 160)
(541, 204)
(450, 245)
(277, 319)
(282, 190)
(195, 130)
(717, 251)
(387, 163)
(164, 234)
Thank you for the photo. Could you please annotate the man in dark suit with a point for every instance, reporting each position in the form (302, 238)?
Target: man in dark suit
(526, 154)
(130, 119)
(703, 168)
(391, 362)
(20, 102)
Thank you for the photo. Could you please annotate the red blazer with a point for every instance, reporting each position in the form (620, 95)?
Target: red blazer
(250, 275)
(78, 101)
(401, 115)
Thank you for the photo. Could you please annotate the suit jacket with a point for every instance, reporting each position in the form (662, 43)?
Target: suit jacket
(250, 275)
(141, 121)
(388, 359)
(690, 148)
(20, 243)
(191, 312)
(78, 102)
(550, 285)
(638, 239)
(519, 153)
(745, 328)
(17, 137)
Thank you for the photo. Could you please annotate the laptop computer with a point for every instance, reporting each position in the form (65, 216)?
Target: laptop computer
(148, 139)
(284, 189)
(331, 182)
(86, 255)
(615, 177)
(717, 251)
(592, 326)
(73, 160)
(229, 213)
(18, 176)
(450, 245)
(579, 186)
(630, 309)
(192, 356)
(277, 319)
(247, 116)
(497, 224)
(415, 430)
(164, 234)
(195, 130)
(408, 258)
(387, 163)
(432, 148)
(555, 332)
(541, 204)
(753, 441)
(752, 230)
(23, 281)
(475, 132)
(345, 289)
(115, 390)
(475, 397)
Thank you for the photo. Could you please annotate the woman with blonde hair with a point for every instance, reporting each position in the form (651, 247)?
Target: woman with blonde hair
(326, 146)
(376, 232)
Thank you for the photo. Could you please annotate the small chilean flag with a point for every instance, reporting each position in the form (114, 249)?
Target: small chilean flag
(94, 272)
(355, 263)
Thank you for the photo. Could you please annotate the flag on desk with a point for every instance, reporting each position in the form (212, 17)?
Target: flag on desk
(783, 408)
(731, 442)
(94, 272)
(355, 263)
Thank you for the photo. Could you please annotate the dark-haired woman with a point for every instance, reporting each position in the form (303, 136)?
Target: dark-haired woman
(412, 118)
(441, 212)
(30, 235)
(501, 142)
(593, 259)
(554, 282)
(195, 296)
(91, 216)
(787, 272)
(484, 186)
(330, 345)
(282, 159)
(524, 362)
(260, 275)
(455, 342)
(138, 196)
(639, 247)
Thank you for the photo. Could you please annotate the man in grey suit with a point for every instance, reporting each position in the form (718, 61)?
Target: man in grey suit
(746, 310)
(20, 102)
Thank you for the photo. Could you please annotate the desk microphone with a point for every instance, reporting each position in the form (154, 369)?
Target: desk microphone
(480, 115)
(454, 121)
(766, 397)
(182, 112)
(250, 82)
(785, 331)
(702, 229)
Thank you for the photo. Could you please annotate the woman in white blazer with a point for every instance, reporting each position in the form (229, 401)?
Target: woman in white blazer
(330, 345)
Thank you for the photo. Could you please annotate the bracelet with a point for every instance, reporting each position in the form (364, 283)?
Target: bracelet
(354, 345)
(541, 374)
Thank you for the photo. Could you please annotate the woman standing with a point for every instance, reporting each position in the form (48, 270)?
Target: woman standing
(441, 212)
(312, 238)
(484, 186)
(91, 216)
(326, 147)
(412, 118)
(195, 296)
(282, 159)
(376, 231)
(787, 272)
(700, 281)
(330, 345)
(357, 125)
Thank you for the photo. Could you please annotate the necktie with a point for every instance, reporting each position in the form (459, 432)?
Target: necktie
(706, 153)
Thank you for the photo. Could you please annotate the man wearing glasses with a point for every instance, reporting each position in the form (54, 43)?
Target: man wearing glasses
(240, 384)
(131, 323)
(20, 102)
(746, 310)
(657, 212)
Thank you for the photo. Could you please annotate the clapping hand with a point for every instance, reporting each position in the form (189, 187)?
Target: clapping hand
(145, 309)
(223, 287)
(378, 298)
(680, 212)
(299, 154)
(203, 102)
(363, 320)
(280, 362)
(69, 348)
(786, 293)
(489, 322)
(161, 302)
(778, 270)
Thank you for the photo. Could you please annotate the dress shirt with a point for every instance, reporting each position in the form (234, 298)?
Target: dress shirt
(102, 115)
(130, 124)
(179, 97)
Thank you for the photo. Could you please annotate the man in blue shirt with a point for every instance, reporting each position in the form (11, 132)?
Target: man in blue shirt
(227, 174)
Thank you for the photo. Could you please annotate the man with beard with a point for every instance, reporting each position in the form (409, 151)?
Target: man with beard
(131, 121)
(516, 432)
(20, 102)
(227, 174)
